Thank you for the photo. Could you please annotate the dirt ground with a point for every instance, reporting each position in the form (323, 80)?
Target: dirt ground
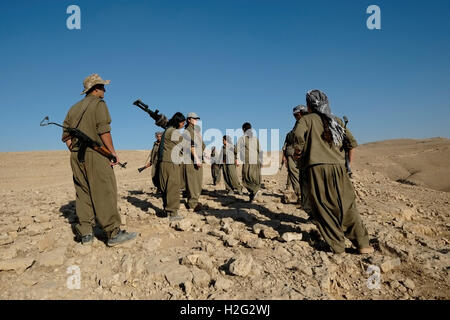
(235, 249)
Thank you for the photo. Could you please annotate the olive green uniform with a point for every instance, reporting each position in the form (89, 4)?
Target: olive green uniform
(329, 189)
(250, 154)
(229, 155)
(94, 179)
(169, 169)
(155, 164)
(292, 165)
(215, 168)
(193, 174)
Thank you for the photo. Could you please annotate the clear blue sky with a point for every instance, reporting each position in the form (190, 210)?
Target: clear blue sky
(229, 61)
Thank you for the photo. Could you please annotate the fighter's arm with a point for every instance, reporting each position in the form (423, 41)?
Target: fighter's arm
(299, 138)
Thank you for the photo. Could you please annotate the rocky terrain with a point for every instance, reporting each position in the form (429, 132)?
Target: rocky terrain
(233, 250)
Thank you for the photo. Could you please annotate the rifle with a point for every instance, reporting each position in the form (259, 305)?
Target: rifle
(345, 147)
(84, 143)
(160, 119)
(142, 169)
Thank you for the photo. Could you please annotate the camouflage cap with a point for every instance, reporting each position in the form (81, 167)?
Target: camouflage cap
(92, 80)
(193, 115)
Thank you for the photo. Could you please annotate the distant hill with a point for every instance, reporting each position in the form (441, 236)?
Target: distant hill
(424, 162)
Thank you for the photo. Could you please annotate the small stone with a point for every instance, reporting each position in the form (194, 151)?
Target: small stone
(182, 225)
(46, 242)
(241, 266)
(217, 233)
(230, 241)
(223, 284)
(255, 243)
(257, 228)
(190, 260)
(390, 264)
(200, 277)
(307, 270)
(270, 233)
(18, 264)
(408, 283)
(82, 250)
(291, 236)
(178, 275)
(53, 258)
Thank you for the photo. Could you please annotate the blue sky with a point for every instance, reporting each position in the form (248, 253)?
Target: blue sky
(229, 61)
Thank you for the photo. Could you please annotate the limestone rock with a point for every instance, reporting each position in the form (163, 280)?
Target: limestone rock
(408, 283)
(223, 284)
(230, 241)
(270, 233)
(200, 277)
(257, 228)
(291, 236)
(53, 258)
(81, 250)
(390, 264)
(255, 243)
(182, 225)
(18, 264)
(177, 275)
(241, 266)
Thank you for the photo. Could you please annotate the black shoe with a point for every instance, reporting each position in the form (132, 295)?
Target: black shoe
(174, 216)
(121, 237)
(87, 238)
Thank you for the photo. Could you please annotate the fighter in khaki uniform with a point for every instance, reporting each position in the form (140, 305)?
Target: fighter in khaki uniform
(318, 139)
(193, 167)
(154, 163)
(288, 155)
(93, 175)
(170, 165)
(228, 156)
(215, 167)
(251, 156)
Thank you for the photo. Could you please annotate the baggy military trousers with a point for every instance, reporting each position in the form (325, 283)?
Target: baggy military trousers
(293, 174)
(96, 193)
(194, 180)
(333, 204)
(216, 172)
(231, 179)
(169, 180)
(251, 177)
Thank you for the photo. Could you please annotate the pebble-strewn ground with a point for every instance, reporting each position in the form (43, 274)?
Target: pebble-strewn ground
(234, 250)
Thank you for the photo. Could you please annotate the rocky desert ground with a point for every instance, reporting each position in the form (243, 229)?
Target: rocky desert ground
(233, 250)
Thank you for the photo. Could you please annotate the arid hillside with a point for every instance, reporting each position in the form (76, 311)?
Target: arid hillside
(233, 250)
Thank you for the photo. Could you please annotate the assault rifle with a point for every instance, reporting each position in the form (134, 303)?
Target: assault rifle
(84, 142)
(160, 119)
(345, 146)
(142, 169)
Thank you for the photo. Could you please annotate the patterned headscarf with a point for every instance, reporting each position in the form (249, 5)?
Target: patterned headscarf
(318, 101)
